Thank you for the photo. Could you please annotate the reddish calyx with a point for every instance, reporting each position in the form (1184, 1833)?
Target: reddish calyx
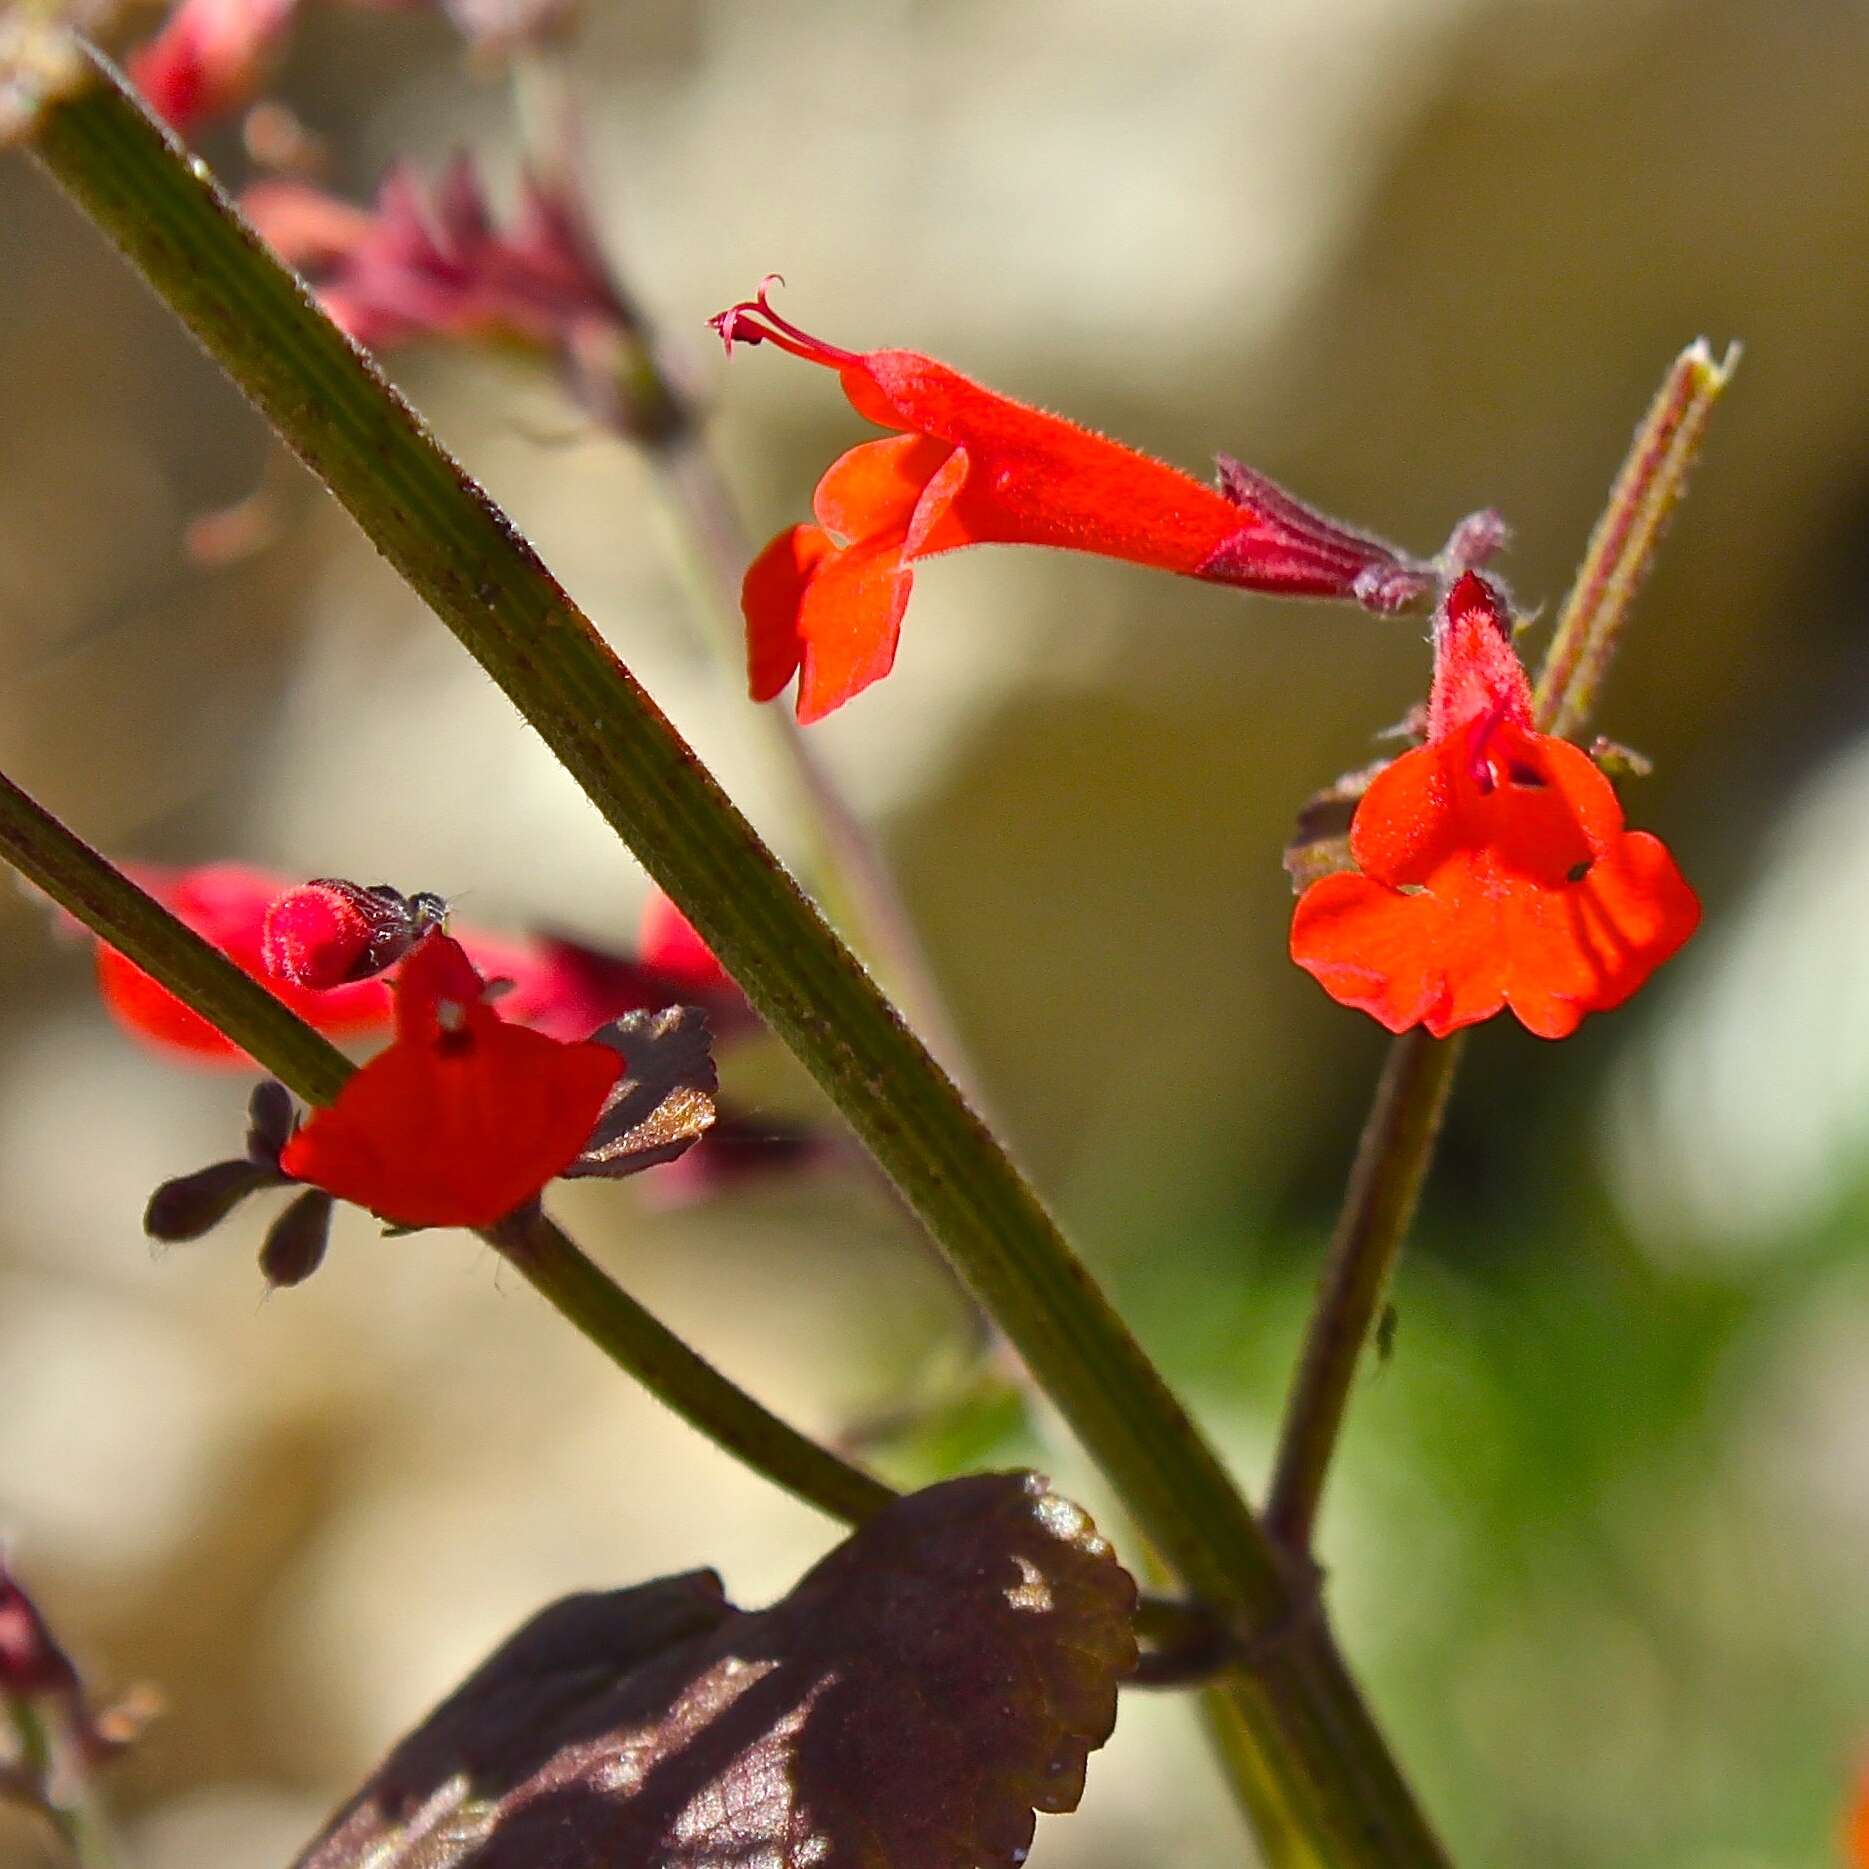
(464, 1118)
(969, 467)
(1493, 866)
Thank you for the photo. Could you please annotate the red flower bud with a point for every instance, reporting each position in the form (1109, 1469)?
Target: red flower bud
(32, 1664)
(330, 932)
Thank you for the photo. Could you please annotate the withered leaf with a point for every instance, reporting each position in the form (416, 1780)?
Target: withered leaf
(1320, 840)
(938, 1678)
(664, 1101)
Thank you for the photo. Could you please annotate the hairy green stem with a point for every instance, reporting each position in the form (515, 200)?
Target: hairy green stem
(1385, 1186)
(1622, 546)
(580, 1291)
(461, 554)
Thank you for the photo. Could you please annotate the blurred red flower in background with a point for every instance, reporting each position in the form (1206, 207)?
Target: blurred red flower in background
(209, 57)
(212, 56)
(436, 263)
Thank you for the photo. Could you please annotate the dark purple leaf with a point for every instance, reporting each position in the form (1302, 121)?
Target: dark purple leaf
(1320, 840)
(937, 1679)
(664, 1101)
(191, 1206)
(295, 1243)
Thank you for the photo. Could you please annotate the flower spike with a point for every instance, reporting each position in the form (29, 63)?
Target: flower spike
(824, 601)
(1493, 866)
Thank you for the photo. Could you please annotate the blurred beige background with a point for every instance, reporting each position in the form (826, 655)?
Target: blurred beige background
(1599, 1537)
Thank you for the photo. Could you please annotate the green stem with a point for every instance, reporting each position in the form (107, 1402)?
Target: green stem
(1404, 1122)
(462, 555)
(579, 1290)
(77, 1817)
(90, 887)
(1622, 546)
(1385, 1186)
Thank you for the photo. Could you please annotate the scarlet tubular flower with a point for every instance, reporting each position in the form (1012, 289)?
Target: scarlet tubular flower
(559, 986)
(969, 467)
(464, 1118)
(1856, 1828)
(1495, 869)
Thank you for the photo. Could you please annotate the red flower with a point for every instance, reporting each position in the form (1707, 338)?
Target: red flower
(209, 57)
(974, 468)
(1495, 870)
(464, 1117)
(1856, 1828)
(434, 264)
(558, 986)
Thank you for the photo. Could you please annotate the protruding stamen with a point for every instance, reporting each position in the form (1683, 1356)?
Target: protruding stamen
(740, 324)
